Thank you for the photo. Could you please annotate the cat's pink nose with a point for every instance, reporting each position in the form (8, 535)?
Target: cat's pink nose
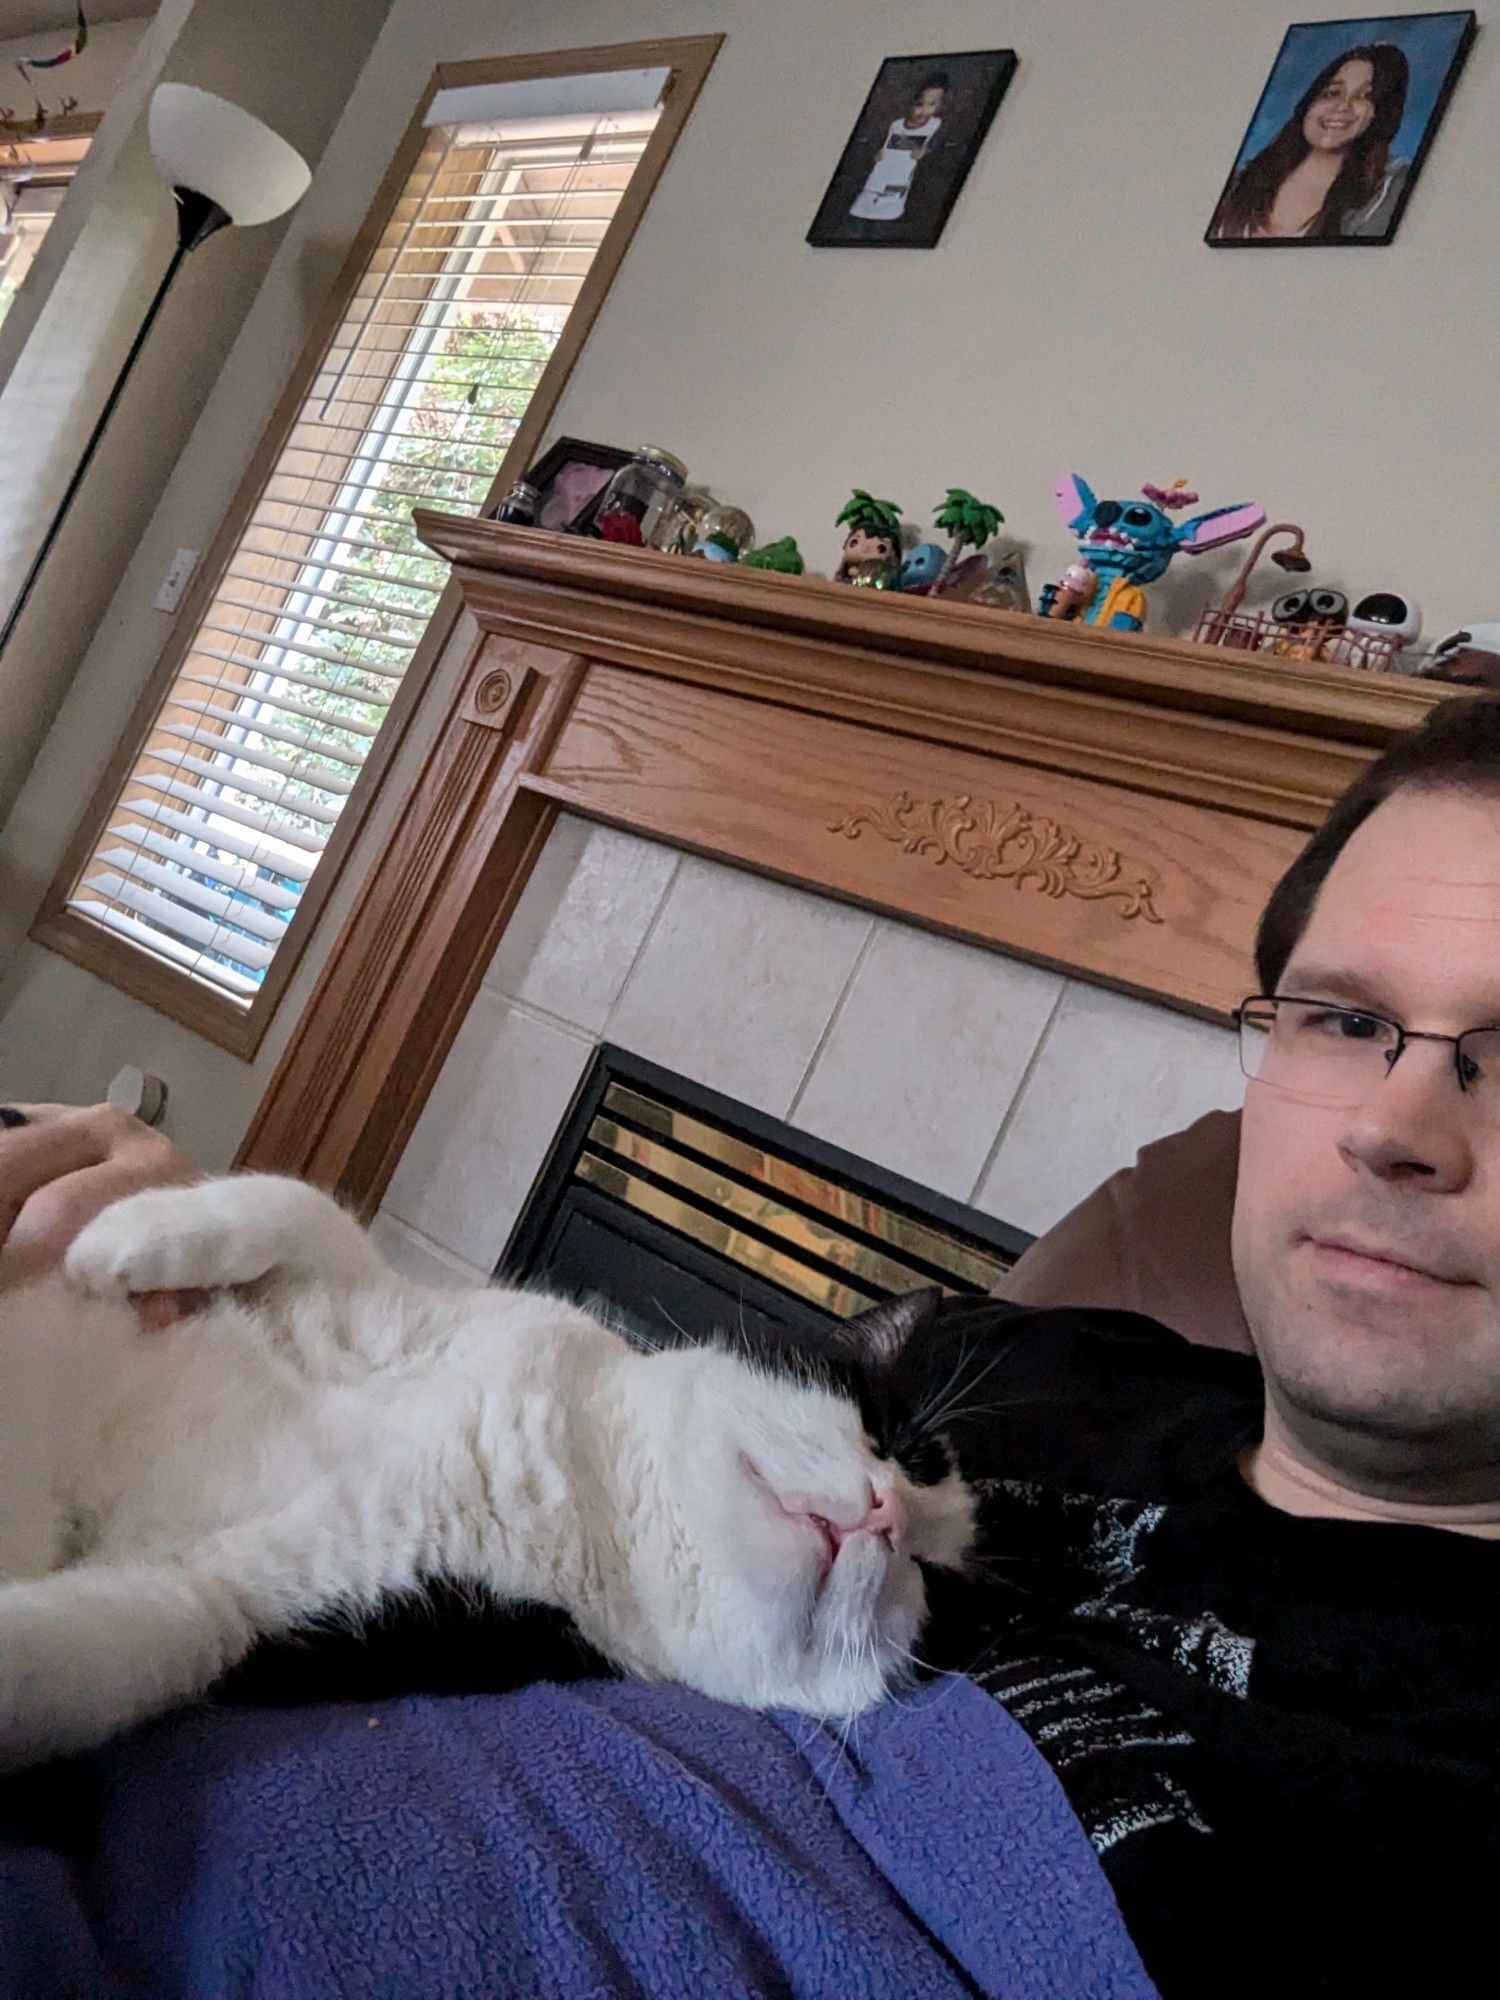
(886, 1515)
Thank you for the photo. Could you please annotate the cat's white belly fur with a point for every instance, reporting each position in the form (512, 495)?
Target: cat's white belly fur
(333, 1433)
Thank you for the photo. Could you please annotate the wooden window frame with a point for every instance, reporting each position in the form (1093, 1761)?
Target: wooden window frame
(133, 970)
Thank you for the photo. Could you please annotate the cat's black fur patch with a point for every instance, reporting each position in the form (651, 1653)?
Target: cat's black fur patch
(903, 1373)
(445, 1640)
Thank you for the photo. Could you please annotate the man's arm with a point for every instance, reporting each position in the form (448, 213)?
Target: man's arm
(61, 1167)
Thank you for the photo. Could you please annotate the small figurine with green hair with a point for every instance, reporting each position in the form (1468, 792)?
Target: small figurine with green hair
(784, 556)
(871, 554)
(968, 523)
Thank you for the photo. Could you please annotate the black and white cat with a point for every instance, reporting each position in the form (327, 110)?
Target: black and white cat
(325, 1433)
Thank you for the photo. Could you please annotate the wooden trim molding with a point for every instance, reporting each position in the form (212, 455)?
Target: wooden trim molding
(412, 953)
(1114, 806)
(216, 1016)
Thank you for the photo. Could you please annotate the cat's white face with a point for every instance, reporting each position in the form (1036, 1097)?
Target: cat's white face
(778, 1559)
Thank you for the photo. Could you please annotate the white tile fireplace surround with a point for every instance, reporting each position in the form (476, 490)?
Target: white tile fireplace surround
(990, 1080)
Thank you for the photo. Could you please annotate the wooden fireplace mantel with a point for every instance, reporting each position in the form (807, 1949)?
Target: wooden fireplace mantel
(1115, 806)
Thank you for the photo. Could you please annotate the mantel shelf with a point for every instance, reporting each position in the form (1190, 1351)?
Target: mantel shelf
(1178, 674)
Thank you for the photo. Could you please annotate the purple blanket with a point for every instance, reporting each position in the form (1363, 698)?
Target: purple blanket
(603, 1839)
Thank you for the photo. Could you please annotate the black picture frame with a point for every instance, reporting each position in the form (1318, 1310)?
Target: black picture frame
(555, 462)
(976, 81)
(1433, 48)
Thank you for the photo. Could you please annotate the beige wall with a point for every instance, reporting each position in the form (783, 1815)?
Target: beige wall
(1071, 318)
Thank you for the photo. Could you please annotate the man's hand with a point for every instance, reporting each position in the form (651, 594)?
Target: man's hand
(65, 1164)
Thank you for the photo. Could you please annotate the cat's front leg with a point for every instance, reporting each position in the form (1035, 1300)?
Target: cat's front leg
(89, 1651)
(219, 1234)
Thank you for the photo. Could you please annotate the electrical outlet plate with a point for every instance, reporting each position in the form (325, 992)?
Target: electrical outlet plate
(175, 582)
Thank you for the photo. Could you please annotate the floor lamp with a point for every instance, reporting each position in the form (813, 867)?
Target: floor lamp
(224, 167)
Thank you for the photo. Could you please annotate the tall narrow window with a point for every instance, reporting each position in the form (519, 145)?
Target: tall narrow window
(286, 683)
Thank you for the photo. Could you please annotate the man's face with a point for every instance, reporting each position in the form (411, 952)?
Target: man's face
(926, 104)
(1367, 1233)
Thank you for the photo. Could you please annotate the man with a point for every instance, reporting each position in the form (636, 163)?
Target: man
(1278, 1727)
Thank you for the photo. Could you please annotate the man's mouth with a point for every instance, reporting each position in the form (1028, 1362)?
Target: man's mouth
(1347, 1260)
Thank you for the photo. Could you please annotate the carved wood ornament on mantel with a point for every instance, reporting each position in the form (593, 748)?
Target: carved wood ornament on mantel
(1114, 806)
(1015, 846)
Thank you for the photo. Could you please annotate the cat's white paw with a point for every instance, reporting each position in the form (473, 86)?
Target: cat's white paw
(215, 1235)
(169, 1240)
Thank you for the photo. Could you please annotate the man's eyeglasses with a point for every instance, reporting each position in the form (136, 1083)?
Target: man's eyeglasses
(1332, 1055)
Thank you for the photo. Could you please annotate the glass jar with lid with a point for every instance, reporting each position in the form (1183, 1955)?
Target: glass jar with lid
(641, 499)
(519, 506)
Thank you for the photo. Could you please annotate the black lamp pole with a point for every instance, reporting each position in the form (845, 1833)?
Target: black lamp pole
(198, 218)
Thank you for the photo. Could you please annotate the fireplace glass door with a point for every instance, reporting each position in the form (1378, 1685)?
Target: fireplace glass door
(677, 1210)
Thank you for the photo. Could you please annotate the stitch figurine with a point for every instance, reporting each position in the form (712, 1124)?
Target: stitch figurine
(1128, 543)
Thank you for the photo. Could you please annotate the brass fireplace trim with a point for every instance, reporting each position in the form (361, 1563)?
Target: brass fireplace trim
(847, 1211)
(803, 1218)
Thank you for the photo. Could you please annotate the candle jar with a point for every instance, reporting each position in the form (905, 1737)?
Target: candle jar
(519, 506)
(640, 497)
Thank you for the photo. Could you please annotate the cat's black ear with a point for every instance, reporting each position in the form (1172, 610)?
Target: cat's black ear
(878, 1338)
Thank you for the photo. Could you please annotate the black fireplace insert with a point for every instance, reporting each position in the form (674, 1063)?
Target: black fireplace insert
(677, 1210)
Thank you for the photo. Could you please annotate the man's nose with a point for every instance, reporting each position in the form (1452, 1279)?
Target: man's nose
(1413, 1124)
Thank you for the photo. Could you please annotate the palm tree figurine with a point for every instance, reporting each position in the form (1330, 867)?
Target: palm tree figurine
(968, 523)
(872, 541)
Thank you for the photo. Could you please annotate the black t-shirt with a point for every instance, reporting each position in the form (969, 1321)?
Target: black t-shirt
(1281, 1734)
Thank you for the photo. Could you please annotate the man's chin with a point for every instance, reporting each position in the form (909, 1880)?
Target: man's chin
(1393, 1411)
(1364, 1381)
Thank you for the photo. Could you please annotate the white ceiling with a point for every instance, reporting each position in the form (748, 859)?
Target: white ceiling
(51, 17)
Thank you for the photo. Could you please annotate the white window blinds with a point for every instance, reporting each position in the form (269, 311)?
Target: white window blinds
(281, 695)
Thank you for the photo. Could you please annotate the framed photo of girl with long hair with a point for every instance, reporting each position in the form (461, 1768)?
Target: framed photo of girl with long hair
(1342, 128)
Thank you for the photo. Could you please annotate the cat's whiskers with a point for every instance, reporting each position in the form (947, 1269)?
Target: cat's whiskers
(674, 1322)
(957, 1406)
(919, 1420)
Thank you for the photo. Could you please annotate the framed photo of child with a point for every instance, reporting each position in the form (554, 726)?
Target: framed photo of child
(911, 150)
(1342, 128)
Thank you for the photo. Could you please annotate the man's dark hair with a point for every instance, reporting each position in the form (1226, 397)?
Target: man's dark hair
(1456, 749)
(935, 79)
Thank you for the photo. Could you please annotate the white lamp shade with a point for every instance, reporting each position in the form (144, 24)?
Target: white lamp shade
(211, 146)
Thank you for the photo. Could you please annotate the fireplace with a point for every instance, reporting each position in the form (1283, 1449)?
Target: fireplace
(949, 1081)
(1090, 820)
(678, 1209)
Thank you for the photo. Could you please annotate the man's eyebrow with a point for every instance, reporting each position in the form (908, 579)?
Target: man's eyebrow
(1323, 983)
(1313, 982)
